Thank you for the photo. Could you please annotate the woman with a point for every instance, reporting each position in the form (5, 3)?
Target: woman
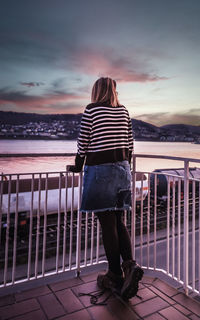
(105, 144)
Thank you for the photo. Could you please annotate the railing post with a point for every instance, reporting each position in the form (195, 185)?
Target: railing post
(186, 227)
(78, 235)
(168, 224)
(133, 207)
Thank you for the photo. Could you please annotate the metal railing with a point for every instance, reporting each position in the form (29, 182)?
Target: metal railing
(43, 231)
(182, 226)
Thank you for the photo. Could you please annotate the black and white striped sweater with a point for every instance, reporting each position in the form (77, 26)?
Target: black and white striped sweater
(105, 135)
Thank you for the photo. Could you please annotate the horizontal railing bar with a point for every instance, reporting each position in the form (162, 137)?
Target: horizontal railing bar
(175, 278)
(30, 173)
(16, 155)
(167, 174)
(49, 273)
(138, 174)
(9, 155)
(25, 185)
(163, 173)
(136, 155)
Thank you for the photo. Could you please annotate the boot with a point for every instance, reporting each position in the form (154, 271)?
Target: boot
(110, 281)
(133, 273)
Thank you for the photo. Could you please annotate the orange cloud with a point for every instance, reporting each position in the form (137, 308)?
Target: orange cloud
(56, 102)
(120, 69)
(23, 99)
(163, 118)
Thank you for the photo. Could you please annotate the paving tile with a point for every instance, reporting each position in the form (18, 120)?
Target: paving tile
(86, 287)
(155, 316)
(150, 306)
(66, 284)
(79, 315)
(18, 309)
(92, 276)
(159, 301)
(193, 317)
(86, 300)
(165, 288)
(172, 314)
(69, 300)
(51, 306)
(141, 286)
(147, 280)
(188, 302)
(162, 295)
(90, 287)
(145, 294)
(32, 293)
(101, 313)
(122, 309)
(7, 300)
(182, 309)
(38, 314)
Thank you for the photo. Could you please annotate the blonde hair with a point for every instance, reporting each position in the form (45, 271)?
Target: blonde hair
(104, 90)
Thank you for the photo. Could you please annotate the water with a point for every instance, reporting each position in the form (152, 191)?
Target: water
(37, 146)
(44, 164)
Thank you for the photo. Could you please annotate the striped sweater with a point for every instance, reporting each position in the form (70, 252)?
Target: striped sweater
(105, 135)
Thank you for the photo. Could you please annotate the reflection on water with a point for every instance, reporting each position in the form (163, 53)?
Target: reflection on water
(45, 164)
(39, 164)
(37, 146)
(28, 165)
(174, 149)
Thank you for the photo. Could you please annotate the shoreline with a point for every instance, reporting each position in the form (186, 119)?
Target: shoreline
(74, 139)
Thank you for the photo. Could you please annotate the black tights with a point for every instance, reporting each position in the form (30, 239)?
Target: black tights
(116, 239)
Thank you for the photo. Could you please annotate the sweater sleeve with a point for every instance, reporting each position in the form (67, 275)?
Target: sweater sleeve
(130, 139)
(83, 139)
(84, 134)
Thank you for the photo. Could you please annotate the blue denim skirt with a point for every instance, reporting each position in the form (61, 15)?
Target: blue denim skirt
(106, 187)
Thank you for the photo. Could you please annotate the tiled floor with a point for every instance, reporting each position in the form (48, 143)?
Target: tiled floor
(62, 301)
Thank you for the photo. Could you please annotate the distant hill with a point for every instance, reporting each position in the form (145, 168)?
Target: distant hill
(17, 118)
(180, 128)
(142, 130)
(22, 118)
(148, 126)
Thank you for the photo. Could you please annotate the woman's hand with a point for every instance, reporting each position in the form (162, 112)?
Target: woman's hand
(73, 169)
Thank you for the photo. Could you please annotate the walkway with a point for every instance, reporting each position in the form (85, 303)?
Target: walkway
(61, 301)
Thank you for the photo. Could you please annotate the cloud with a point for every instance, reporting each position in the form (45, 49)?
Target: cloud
(108, 63)
(163, 118)
(56, 100)
(153, 118)
(59, 83)
(195, 110)
(32, 84)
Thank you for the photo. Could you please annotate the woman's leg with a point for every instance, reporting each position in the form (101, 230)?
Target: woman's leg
(124, 237)
(110, 236)
(132, 271)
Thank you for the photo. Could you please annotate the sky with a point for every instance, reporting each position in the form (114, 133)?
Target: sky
(52, 52)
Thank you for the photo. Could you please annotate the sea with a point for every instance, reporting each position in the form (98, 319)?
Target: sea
(57, 163)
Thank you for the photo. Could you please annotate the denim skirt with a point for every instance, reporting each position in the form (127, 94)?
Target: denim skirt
(106, 187)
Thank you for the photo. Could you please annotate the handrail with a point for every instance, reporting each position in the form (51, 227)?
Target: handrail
(136, 155)
(25, 155)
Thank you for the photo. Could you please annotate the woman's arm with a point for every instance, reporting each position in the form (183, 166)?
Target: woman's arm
(83, 141)
(130, 139)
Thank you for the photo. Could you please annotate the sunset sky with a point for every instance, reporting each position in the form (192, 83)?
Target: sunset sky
(52, 51)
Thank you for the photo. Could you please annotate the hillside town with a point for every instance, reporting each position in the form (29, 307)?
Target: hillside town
(41, 130)
(68, 129)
